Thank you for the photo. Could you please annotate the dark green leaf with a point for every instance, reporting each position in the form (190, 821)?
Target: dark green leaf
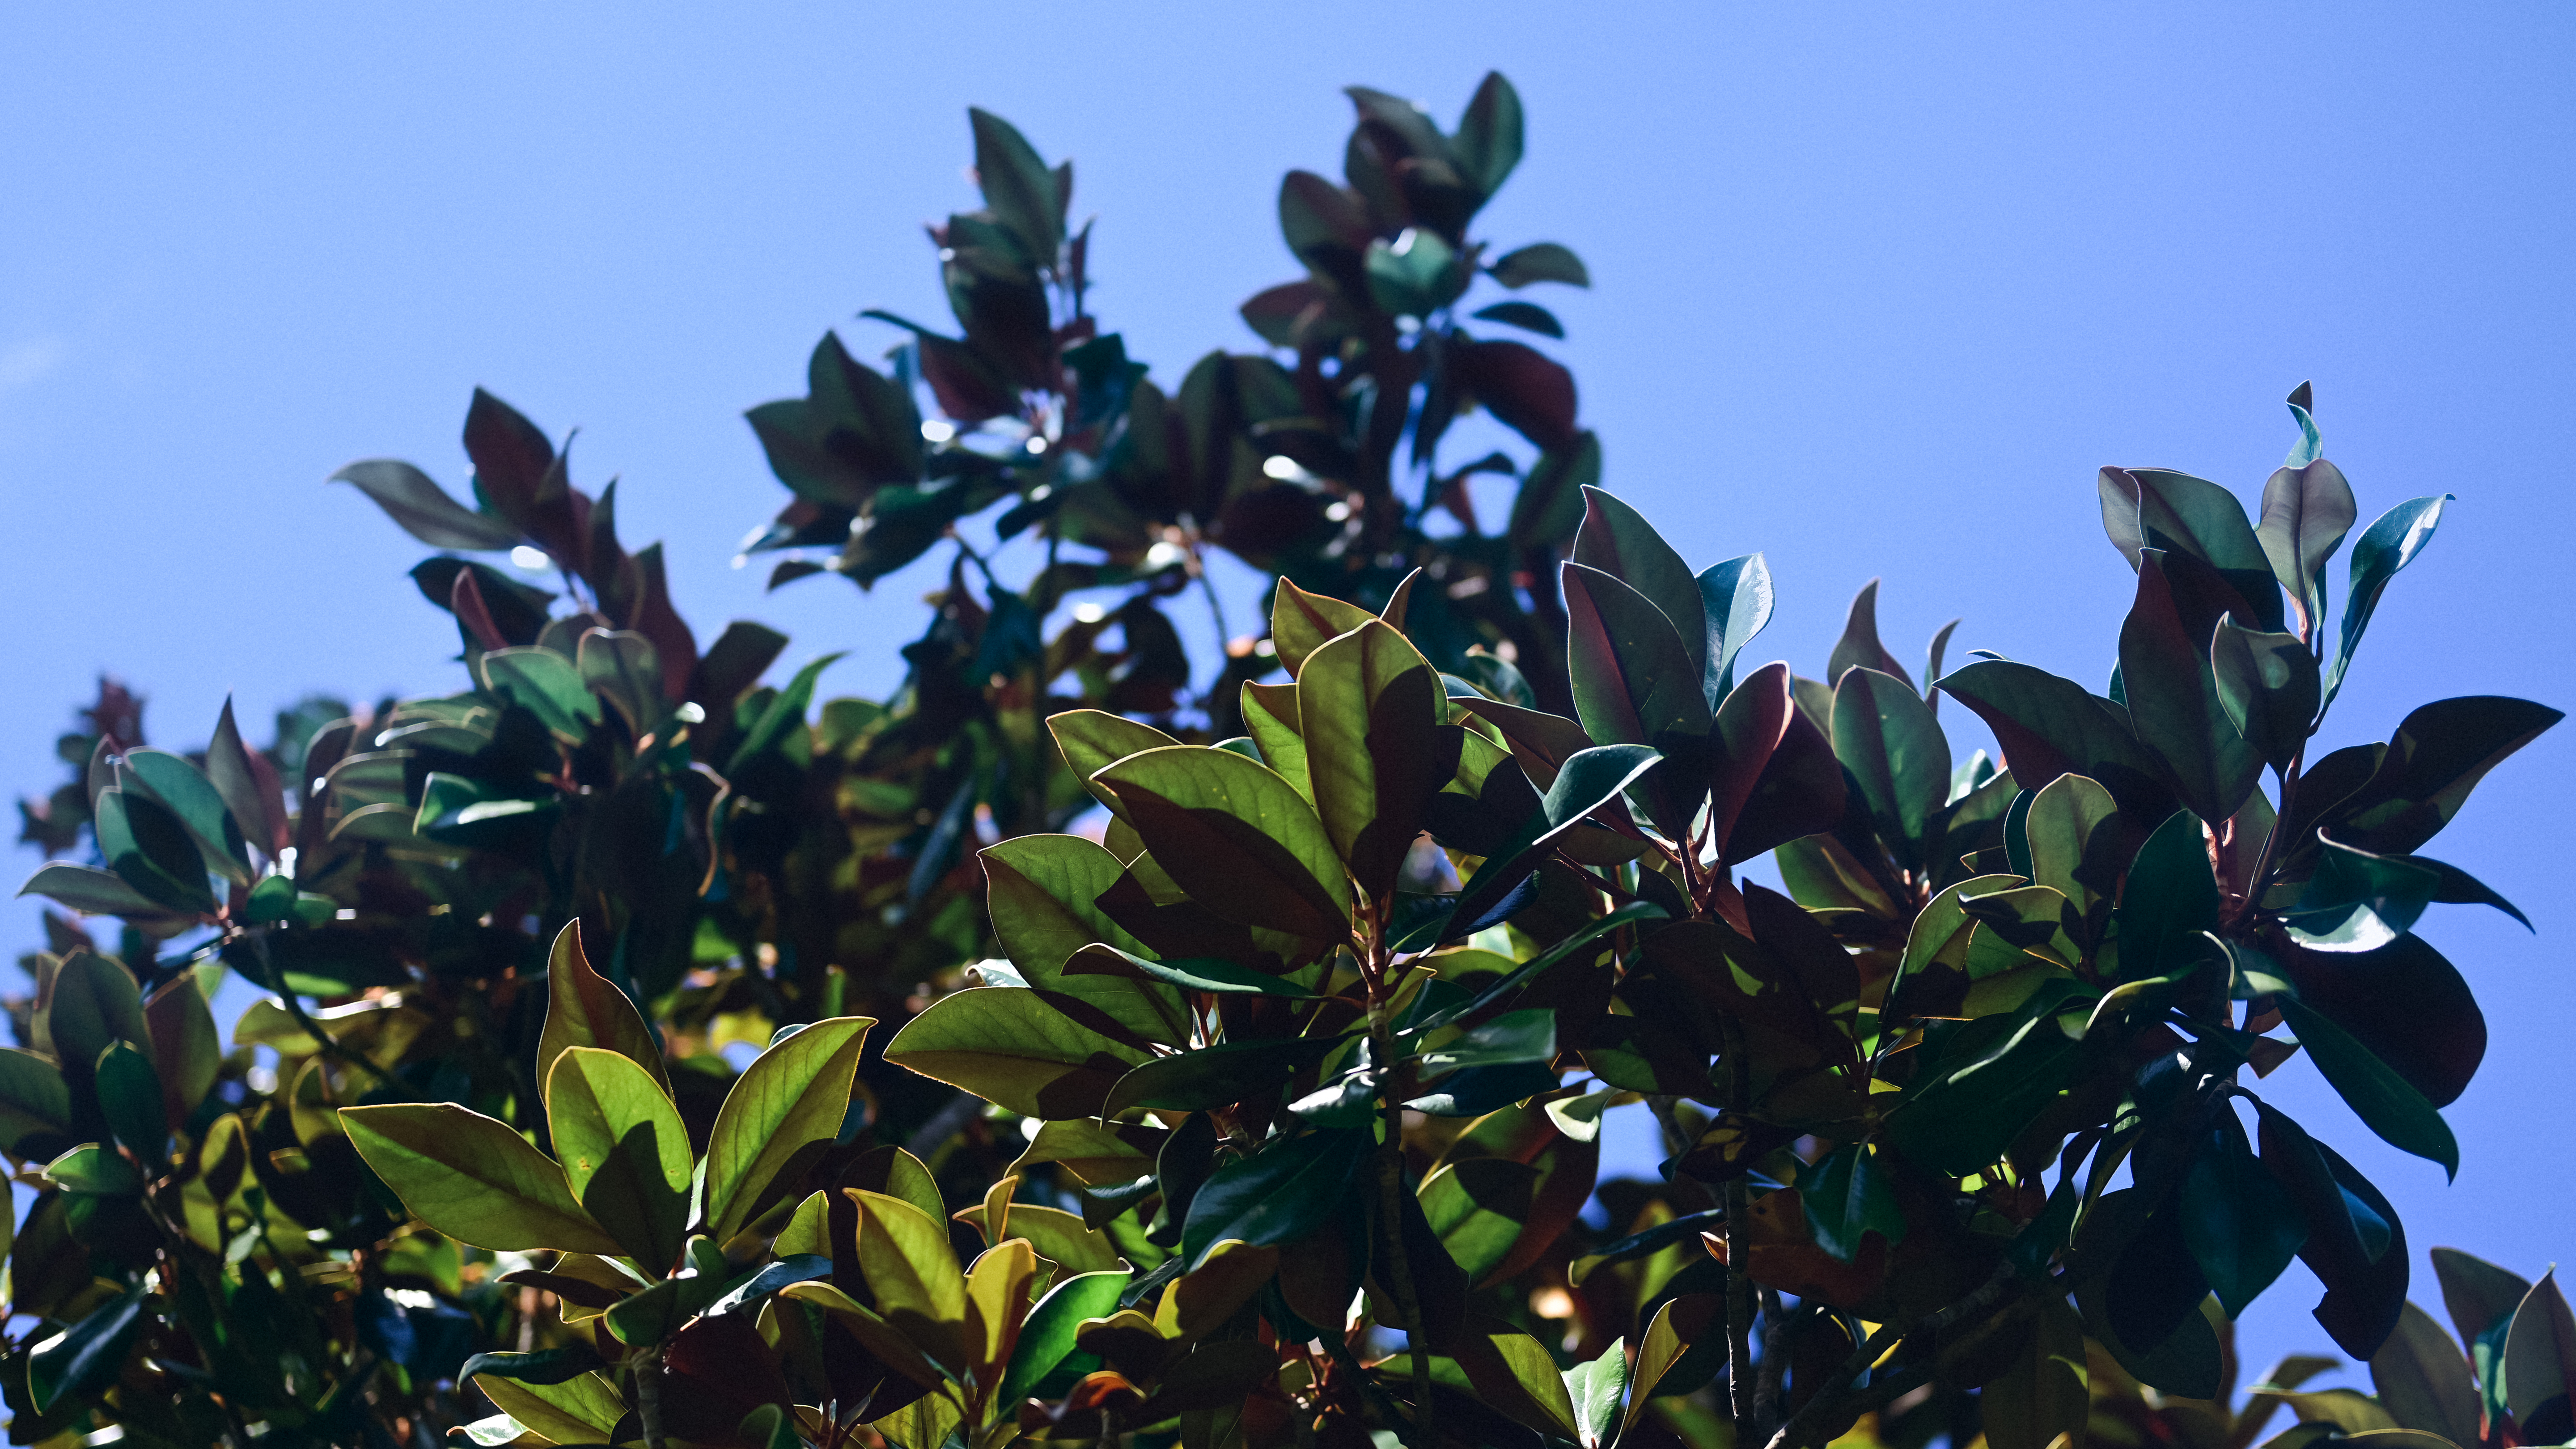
(2267, 684)
(2386, 1102)
(1018, 186)
(200, 808)
(1617, 540)
(2421, 779)
(1237, 837)
(2170, 901)
(2540, 1354)
(2423, 1378)
(1528, 316)
(2050, 727)
(1369, 711)
(2386, 546)
(1540, 262)
(2178, 513)
(1859, 646)
(1215, 1076)
(584, 1008)
(1846, 1195)
(1277, 1195)
(94, 892)
(1735, 599)
(545, 684)
(1488, 142)
(1046, 1336)
(1008, 1046)
(129, 1096)
(1210, 974)
(2358, 901)
(423, 509)
(2173, 698)
(785, 711)
(144, 843)
(2241, 1227)
(1887, 738)
(86, 1357)
(544, 1366)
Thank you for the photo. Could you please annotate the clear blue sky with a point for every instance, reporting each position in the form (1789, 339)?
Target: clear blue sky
(1877, 291)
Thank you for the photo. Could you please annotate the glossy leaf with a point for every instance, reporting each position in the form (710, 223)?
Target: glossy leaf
(794, 1096)
(1238, 838)
(187, 793)
(1596, 1389)
(2241, 1226)
(2169, 904)
(1091, 740)
(89, 890)
(1042, 892)
(1848, 1194)
(547, 685)
(1300, 622)
(2042, 1394)
(1617, 540)
(2386, 1102)
(1887, 738)
(474, 1179)
(2050, 727)
(2389, 544)
(1541, 262)
(187, 1051)
(1682, 1322)
(129, 1095)
(1735, 600)
(2540, 1353)
(2307, 509)
(86, 1357)
(2174, 699)
(1046, 1336)
(423, 509)
(1477, 1208)
(913, 1272)
(1213, 1076)
(784, 712)
(1276, 1196)
(145, 843)
(1859, 646)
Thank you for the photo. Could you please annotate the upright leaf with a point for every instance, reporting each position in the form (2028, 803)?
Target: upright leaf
(1369, 709)
(2307, 509)
(794, 1096)
(1617, 540)
(2267, 684)
(624, 1150)
(2174, 699)
(1018, 186)
(1735, 599)
(1885, 735)
(1859, 647)
(2389, 544)
(1237, 837)
(585, 1009)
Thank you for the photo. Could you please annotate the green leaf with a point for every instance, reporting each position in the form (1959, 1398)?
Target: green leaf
(85, 1358)
(2177, 513)
(624, 1150)
(1846, 1195)
(129, 1096)
(543, 1366)
(1528, 316)
(2358, 901)
(2389, 544)
(2539, 1351)
(187, 1050)
(1489, 139)
(1008, 1046)
(1588, 780)
(1617, 540)
(2267, 683)
(584, 1409)
(1238, 838)
(585, 1009)
(785, 711)
(1540, 262)
(2385, 1102)
(1517, 1375)
(2478, 1295)
(92, 891)
(199, 807)
(1634, 679)
(1989, 1079)
(1211, 974)
(545, 684)
(1596, 1388)
(1215, 1076)
(2307, 509)
(1478, 1207)
(793, 1096)
(34, 1100)
(1042, 892)
(1018, 186)
(622, 667)
(1369, 710)
(423, 509)
(1300, 622)
(2170, 902)
(912, 1270)
(1735, 599)
(1091, 740)
(1413, 276)
(1513, 1038)
(1886, 736)
(1270, 717)
(92, 1001)
(143, 842)
(91, 1170)
(2423, 1380)
(1046, 1337)
(2043, 1392)
(474, 1179)
(2438, 754)
(2241, 1225)
(1682, 1322)
(2049, 727)
(2174, 697)
(1859, 646)
(1277, 1195)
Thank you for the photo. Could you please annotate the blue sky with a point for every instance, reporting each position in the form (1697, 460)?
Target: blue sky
(1877, 290)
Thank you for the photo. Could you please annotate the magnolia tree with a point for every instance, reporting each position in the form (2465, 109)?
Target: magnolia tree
(1090, 1045)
